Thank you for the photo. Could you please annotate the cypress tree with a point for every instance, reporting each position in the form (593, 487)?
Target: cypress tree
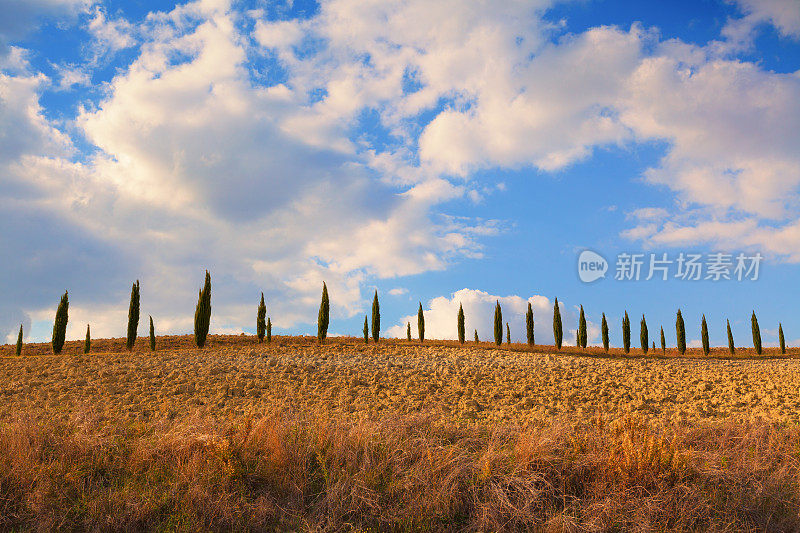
(578, 338)
(704, 336)
(324, 315)
(781, 339)
(680, 333)
(60, 324)
(756, 333)
(261, 317)
(202, 314)
(626, 333)
(557, 331)
(152, 336)
(366, 330)
(508, 334)
(19, 341)
(133, 316)
(87, 344)
(269, 330)
(461, 332)
(644, 335)
(477, 340)
(529, 325)
(408, 331)
(654, 347)
(421, 324)
(731, 347)
(604, 332)
(376, 318)
(582, 337)
(663, 342)
(498, 324)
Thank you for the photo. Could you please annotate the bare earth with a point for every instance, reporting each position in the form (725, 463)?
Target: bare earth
(354, 380)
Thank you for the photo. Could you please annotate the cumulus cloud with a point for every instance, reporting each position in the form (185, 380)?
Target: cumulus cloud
(441, 314)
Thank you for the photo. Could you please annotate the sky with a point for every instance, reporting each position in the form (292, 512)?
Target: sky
(446, 153)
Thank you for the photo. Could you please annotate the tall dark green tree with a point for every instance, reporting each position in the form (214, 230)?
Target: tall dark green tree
(731, 347)
(498, 324)
(626, 333)
(529, 325)
(756, 333)
(582, 337)
(376, 318)
(461, 332)
(644, 335)
(366, 330)
(663, 342)
(19, 342)
(680, 333)
(152, 336)
(60, 324)
(202, 313)
(421, 324)
(704, 336)
(604, 332)
(261, 320)
(133, 316)
(558, 332)
(508, 334)
(87, 344)
(324, 315)
(408, 331)
(477, 340)
(577, 337)
(269, 330)
(781, 340)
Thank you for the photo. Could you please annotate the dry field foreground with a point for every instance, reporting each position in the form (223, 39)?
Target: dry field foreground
(235, 376)
(298, 437)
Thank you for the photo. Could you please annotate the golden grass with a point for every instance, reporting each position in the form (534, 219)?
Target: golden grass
(294, 436)
(304, 472)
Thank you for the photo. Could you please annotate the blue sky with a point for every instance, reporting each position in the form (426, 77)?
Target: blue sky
(444, 153)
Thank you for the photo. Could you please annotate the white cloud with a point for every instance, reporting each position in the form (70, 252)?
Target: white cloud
(784, 15)
(398, 291)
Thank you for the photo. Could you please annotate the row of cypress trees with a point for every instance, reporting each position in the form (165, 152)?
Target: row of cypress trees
(203, 316)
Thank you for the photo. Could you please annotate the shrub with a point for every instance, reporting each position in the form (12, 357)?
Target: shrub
(461, 332)
(202, 314)
(324, 315)
(60, 324)
(152, 336)
(498, 324)
(421, 324)
(133, 316)
(261, 317)
(604, 332)
(680, 333)
(756, 333)
(558, 332)
(704, 336)
(376, 318)
(731, 347)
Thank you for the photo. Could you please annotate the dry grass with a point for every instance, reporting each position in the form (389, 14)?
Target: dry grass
(300, 437)
(300, 472)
